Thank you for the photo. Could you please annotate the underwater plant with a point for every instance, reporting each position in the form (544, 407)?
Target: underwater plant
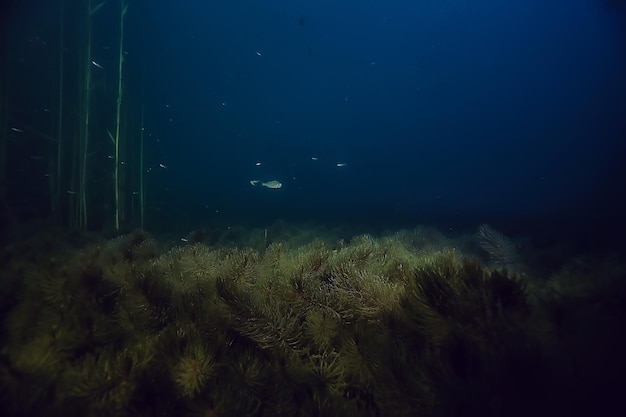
(501, 250)
(116, 140)
(193, 370)
(366, 328)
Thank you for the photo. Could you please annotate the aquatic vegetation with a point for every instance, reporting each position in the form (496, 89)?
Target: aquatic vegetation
(375, 326)
(501, 250)
(193, 369)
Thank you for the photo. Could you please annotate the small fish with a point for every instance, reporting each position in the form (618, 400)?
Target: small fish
(341, 164)
(258, 53)
(314, 158)
(15, 129)
(273, 184)
(258, 164)
(162, 166)
(97, 65)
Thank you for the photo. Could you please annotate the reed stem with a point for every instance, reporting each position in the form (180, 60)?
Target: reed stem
(82, 191)
(123, 9)
(59, 172)
(141, 189)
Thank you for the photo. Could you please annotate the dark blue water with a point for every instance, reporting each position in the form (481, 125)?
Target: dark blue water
(449, 112)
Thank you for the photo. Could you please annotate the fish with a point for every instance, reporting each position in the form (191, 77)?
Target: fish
(97, 65)
(341, 164)
(273, 184)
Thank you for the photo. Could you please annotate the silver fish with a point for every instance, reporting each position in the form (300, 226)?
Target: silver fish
(269, 184)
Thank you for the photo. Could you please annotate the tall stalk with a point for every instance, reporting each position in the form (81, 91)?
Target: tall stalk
(141, 189)
(57, 186)
(4, 127)
(123, 9)
(84, 137)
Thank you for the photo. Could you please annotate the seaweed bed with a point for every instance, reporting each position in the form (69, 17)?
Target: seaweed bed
(399, 325)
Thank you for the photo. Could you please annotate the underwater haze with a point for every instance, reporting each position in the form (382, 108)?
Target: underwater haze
(264, 208)
(381, 113)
